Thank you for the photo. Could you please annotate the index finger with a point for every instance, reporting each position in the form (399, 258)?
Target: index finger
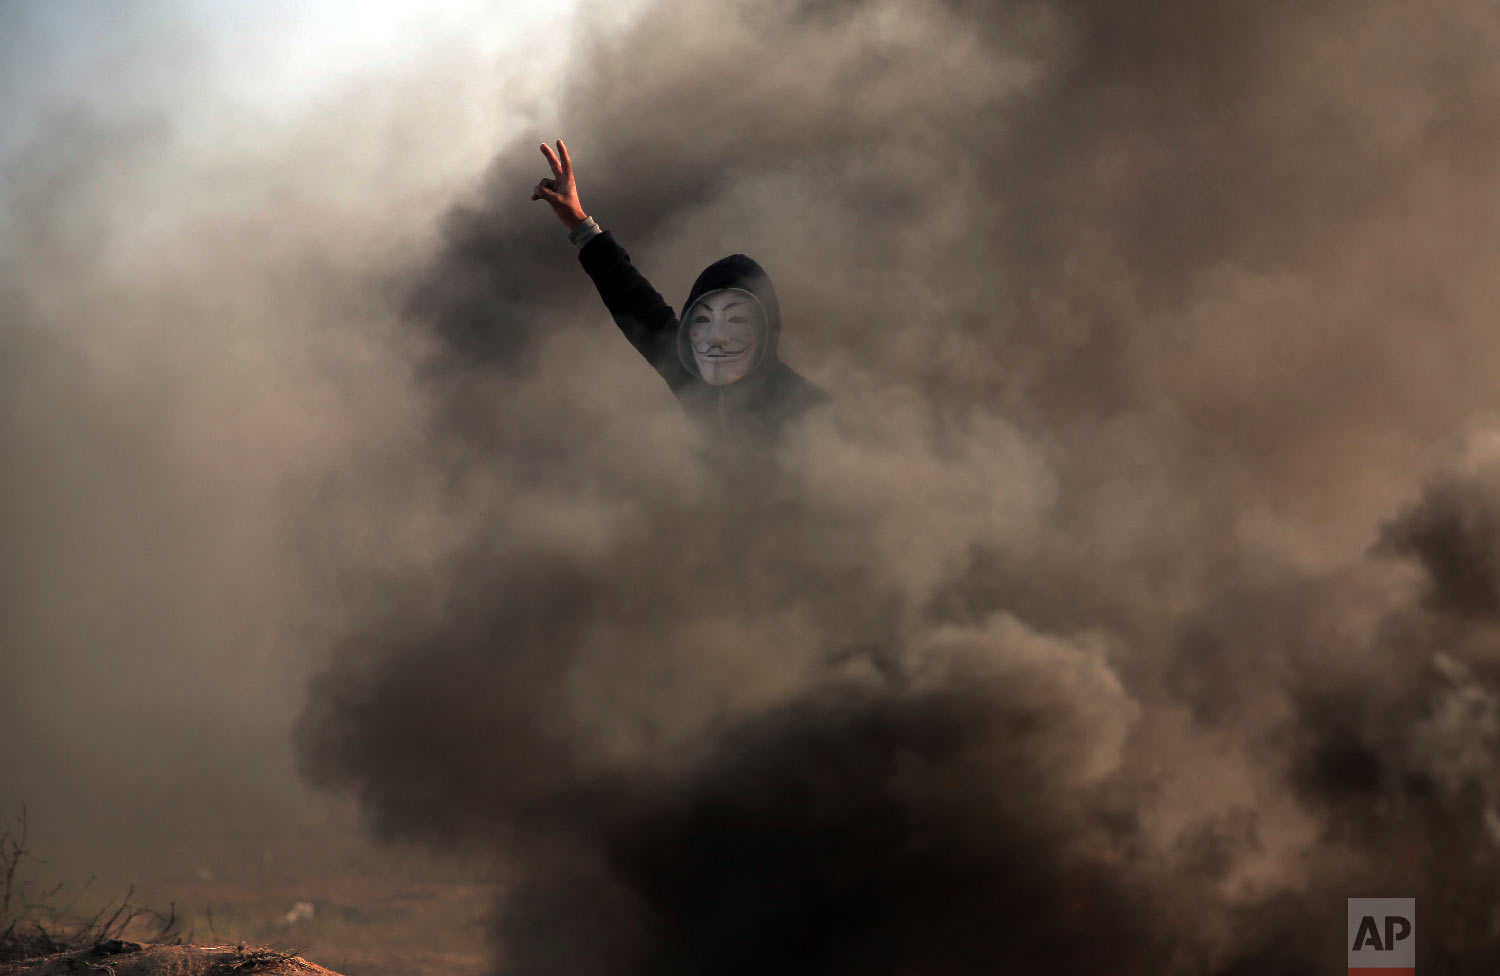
(567, 161)
(552, 160)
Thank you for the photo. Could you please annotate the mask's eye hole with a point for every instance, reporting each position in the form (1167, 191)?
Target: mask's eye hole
(701, 319)
(737, 319)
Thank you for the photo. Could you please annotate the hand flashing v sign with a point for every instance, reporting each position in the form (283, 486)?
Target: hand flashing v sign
(559, 191)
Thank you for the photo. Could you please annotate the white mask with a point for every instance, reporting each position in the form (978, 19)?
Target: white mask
(727, 330)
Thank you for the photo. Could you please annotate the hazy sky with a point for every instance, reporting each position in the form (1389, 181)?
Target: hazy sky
(153, 151)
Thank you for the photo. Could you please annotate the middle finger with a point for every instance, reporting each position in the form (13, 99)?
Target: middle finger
(552, 160)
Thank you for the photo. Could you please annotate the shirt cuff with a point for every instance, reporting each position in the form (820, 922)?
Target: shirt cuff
(584, 232)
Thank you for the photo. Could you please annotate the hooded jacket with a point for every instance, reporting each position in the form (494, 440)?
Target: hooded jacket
(760, 404)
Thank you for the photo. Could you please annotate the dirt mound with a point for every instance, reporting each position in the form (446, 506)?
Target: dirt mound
(117, 958)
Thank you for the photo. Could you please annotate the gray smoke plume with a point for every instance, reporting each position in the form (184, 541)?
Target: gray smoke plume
(1108, 625)
(1132, 608)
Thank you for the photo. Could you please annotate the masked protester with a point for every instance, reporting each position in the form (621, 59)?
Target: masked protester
(720, 358)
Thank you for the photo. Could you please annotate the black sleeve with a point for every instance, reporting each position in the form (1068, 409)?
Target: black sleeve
(640, 312)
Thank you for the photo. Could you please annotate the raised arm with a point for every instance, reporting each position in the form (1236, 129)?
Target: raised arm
(637, 308)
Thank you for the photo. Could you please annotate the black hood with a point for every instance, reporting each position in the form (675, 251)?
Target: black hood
(735, 271)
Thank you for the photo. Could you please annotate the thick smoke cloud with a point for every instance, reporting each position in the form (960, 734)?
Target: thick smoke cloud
(1109, 624)
(1133, 607)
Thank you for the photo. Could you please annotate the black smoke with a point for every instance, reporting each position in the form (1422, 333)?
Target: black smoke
(1107, 626)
